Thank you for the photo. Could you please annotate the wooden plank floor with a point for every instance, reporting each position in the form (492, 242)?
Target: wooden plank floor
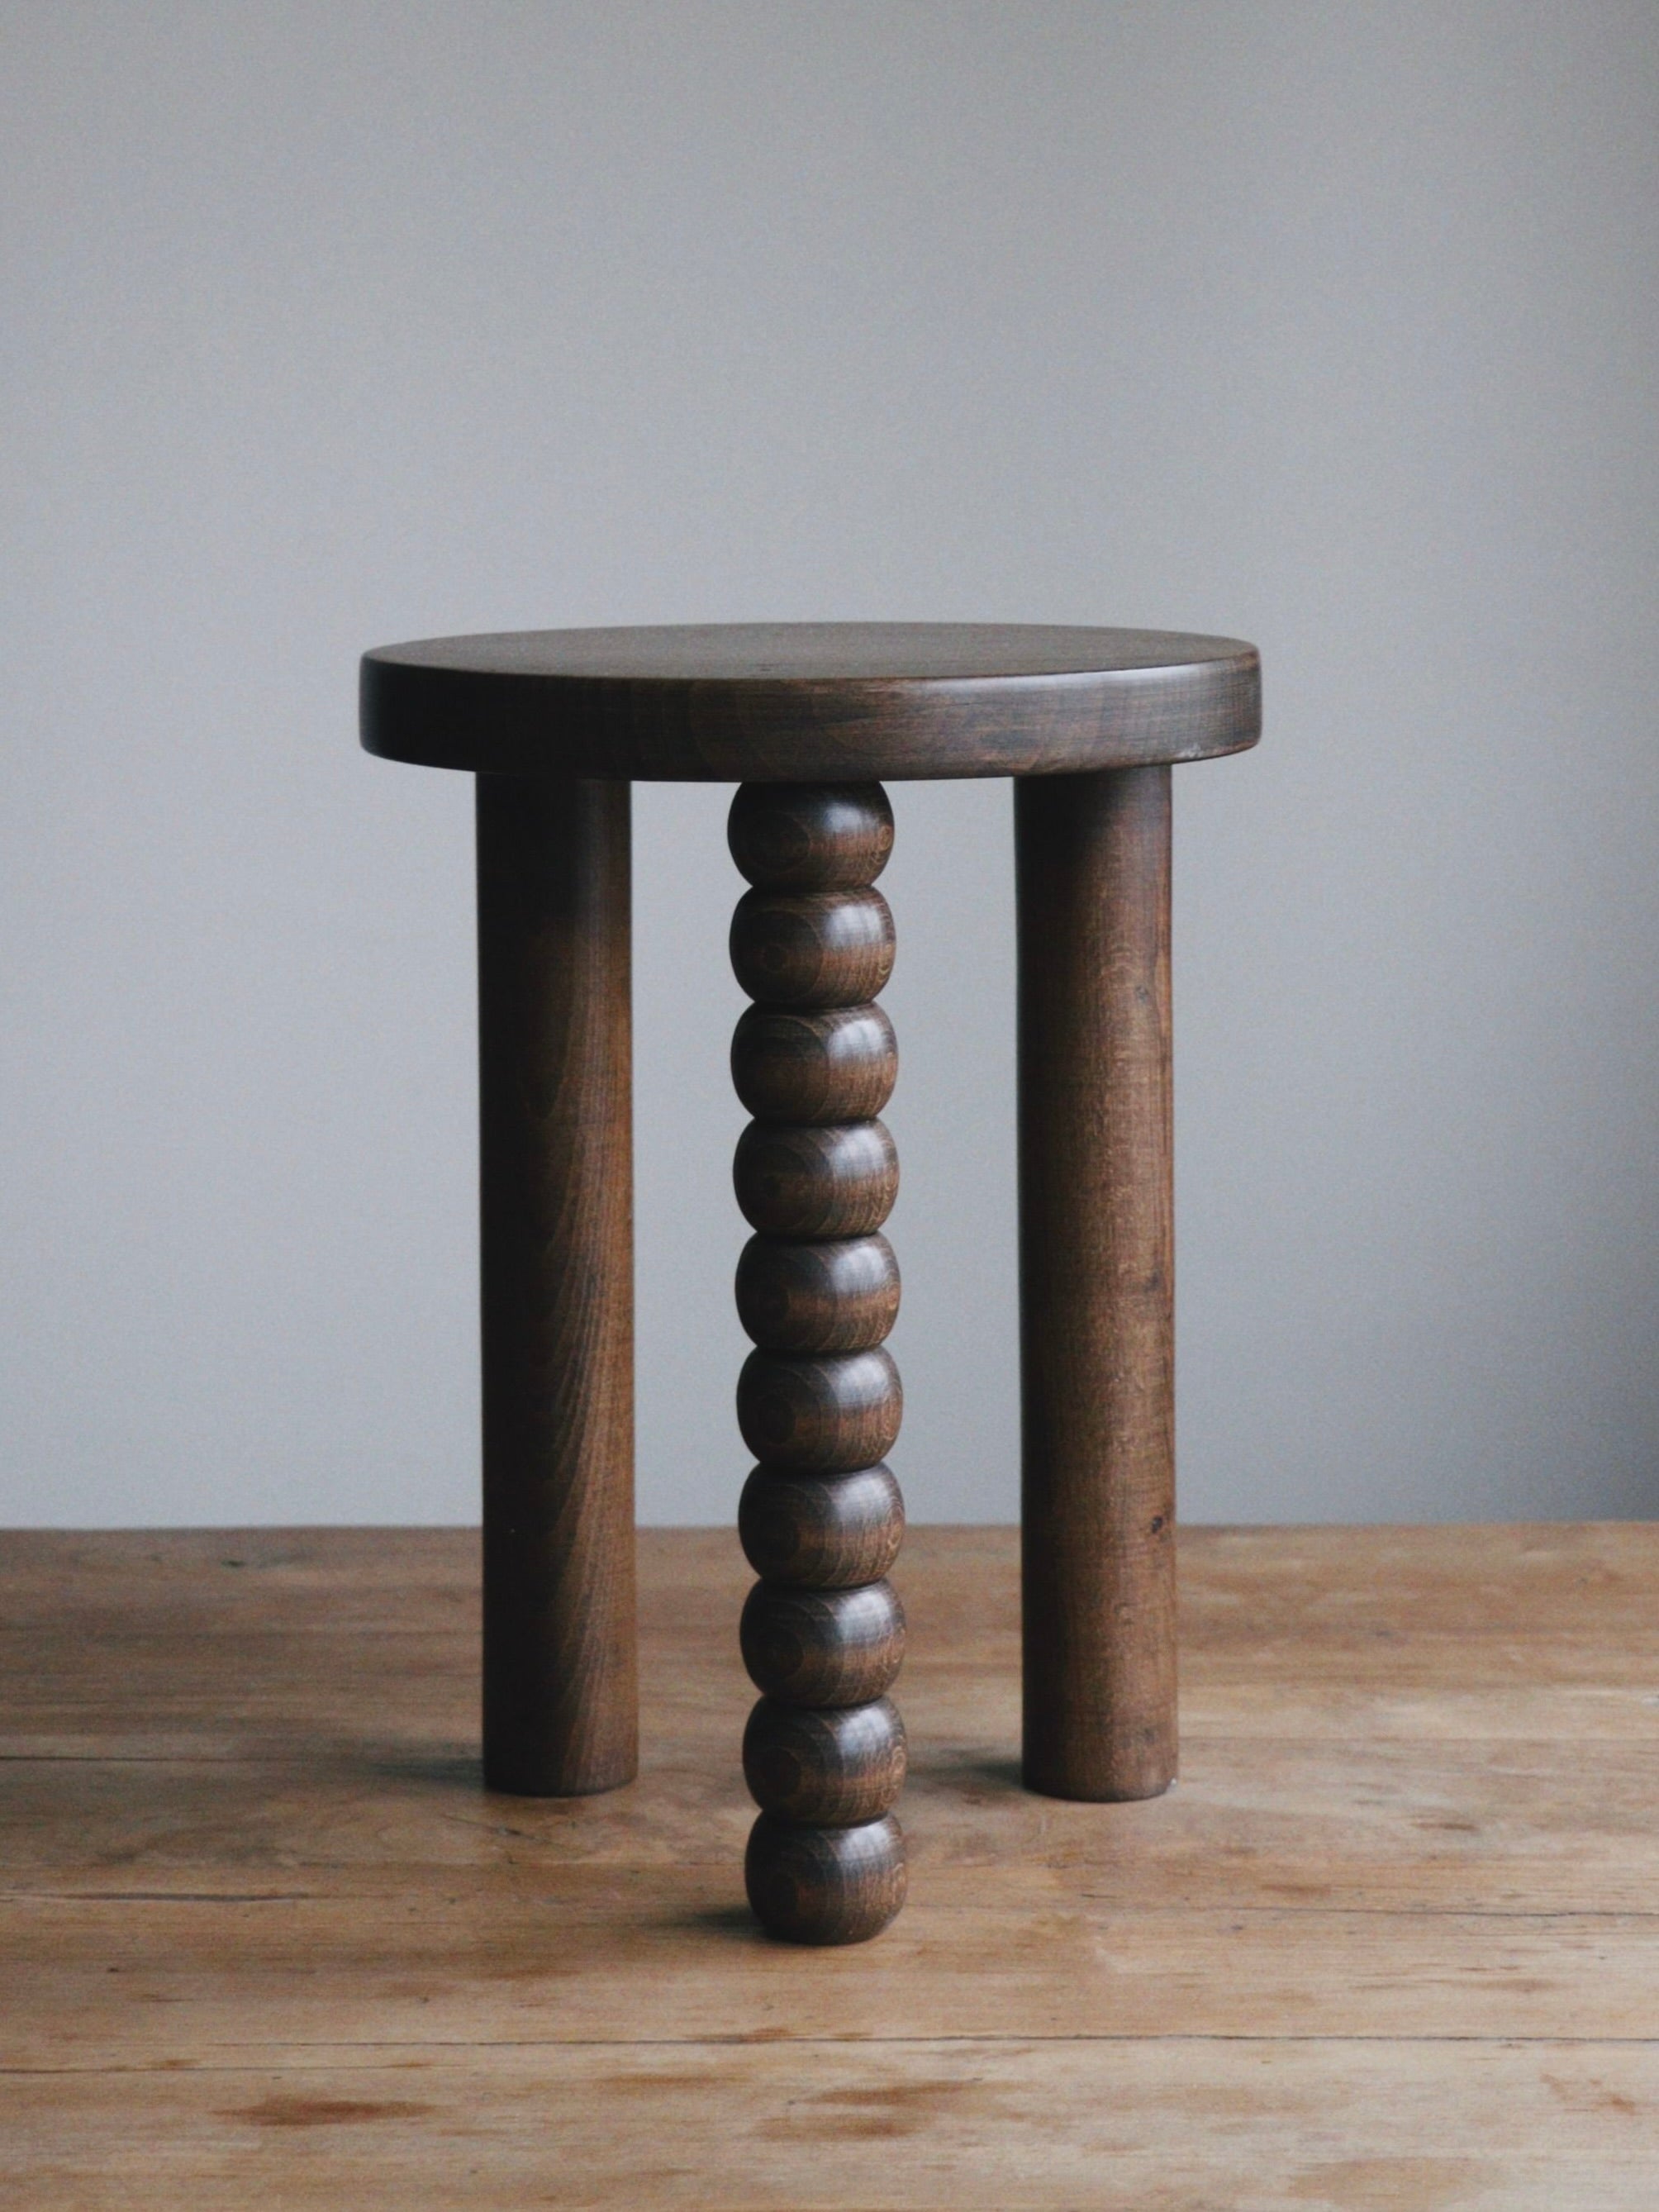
(1393, 1941)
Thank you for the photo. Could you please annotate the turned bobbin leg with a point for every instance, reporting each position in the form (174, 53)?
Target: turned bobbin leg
(819, 1401)
(560, 1715)
(1096, 1269)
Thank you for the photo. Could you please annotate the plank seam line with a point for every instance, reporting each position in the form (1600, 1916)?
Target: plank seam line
(1553, 1916)
(863, 2042)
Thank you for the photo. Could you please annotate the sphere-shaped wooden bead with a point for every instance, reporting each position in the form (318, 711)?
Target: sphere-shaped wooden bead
(821, 1531)
(840, 1296)
(824, 1885)
(813, 948)
(810, 836)
(832, 1770)
(839, 1181)
(824, 1416)
(835, 1647)
(836, 1065)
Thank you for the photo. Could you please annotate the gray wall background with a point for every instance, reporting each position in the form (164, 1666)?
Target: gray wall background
(1333, 325)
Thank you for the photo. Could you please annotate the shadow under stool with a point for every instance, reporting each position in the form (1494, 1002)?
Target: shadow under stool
(810, 720)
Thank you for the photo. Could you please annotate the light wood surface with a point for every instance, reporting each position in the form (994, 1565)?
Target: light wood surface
(1393, 1941)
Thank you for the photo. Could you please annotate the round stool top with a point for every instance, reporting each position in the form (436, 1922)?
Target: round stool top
(786, 703)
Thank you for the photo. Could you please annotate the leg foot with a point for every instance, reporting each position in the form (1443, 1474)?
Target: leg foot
(812, 1885)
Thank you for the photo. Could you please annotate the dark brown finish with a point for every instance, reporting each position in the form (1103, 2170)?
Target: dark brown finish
(824, 1750)
(831, 1770)
(556, 1199)
(823, 1647)
(841, 1296)
(825, 1886)
(821, 1531)
(809, 717)
(813, 948)
(824, 1416)
(1097, 1291)
(838, 1180)
(836, 1065)
(810, 837)
(805, 703)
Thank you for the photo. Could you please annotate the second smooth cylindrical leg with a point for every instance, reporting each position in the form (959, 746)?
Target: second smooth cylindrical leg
(1096, 1283)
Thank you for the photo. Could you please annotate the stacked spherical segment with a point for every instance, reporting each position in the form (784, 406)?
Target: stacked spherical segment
(818, 1400)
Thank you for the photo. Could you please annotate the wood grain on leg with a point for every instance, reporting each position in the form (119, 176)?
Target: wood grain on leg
(819, 1401)
(560, 1696)
(1097, 1290)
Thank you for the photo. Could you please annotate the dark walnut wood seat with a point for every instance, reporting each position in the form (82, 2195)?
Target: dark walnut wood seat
(810, 720)
(804, 702)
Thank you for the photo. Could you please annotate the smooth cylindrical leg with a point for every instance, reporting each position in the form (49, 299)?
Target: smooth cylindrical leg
(560, 1701)
(819, 1401)
(1096, 1283)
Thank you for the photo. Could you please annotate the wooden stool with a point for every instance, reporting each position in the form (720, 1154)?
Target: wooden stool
(809, 719)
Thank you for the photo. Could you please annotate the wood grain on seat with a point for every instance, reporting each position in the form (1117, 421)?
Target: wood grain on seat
(801, 701)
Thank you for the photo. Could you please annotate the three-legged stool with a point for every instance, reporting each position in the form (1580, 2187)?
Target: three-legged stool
(809, 719)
